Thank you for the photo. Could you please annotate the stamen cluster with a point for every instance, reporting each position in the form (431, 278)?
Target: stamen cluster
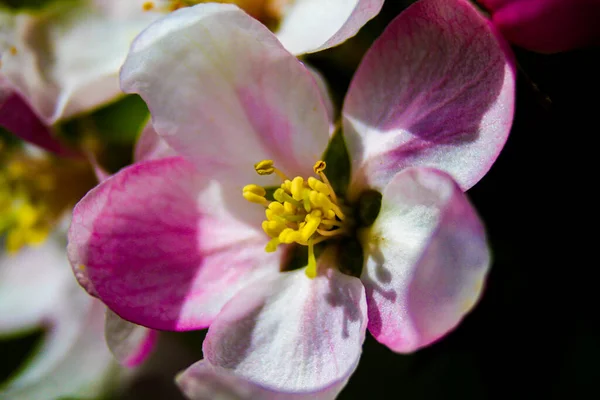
(35, 192)
(304, 211)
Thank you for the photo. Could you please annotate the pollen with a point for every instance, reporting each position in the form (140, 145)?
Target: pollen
(303, 211)
(148, 6)
(35, 192)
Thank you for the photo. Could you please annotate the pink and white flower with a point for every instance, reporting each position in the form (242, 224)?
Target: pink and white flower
(62, 60)
(302, 26)
(37, 289)
(171, 244)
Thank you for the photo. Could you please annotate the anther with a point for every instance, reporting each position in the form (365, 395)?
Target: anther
(319, 186)
(267, 167)
(255, 194)
(272, 245)
(148, 6)
(319, 167)
(281, 196)
(297, 188)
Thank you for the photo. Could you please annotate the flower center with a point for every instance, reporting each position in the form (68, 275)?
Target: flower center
(35, 192)
(269, 12)
(303, 211)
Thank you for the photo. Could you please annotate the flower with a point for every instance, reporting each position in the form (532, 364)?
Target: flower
(36, 286)
(18, 117)
(547, 26)
(37, 290)
(64, 59)
(302, 26)
(171, 244)
(83, 45)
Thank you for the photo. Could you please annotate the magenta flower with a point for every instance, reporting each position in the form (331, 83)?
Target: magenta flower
(171, 243)
(547, 26)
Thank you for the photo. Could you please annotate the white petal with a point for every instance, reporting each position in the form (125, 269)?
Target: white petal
(291, 334)
(202, 381)
(313, 25)
(436, 89)
(31, 283)
(426, 260)
(131, 344)
(67, 61)
(223, 92)
(73, 360)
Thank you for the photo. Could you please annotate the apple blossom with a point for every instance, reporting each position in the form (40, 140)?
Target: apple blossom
(62, 60)
(37, 289)
(386, 240)
(302, 26)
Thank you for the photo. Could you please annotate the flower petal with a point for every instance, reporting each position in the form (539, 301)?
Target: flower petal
(67, 59)
(165, 247)
(21, 120)
(426, 260)
(436, 89)
(324, 90)
(31, 283)
(224, 92)
(547, 26)
(130, 344)
(150, 146)
(313, 25)
(291, 334)
(202, 381)
(74, 361)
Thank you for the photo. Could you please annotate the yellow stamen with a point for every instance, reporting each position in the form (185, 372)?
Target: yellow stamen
(272, 245)
(30, 201)
(297, 188)
(319, 186)
(255, 194)
(281, 196)
(311, 267)
(266, 167)
(304, 211)
(331, 223)
(319, 167)
(334, 232)
(147, 6)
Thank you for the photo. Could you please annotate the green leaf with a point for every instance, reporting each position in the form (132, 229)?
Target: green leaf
(338, 163)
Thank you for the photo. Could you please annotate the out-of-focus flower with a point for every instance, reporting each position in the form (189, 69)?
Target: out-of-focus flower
(37, 289)
(302, 26)
(18, 117)
(62, 60)
(547, 26)
(171, 244)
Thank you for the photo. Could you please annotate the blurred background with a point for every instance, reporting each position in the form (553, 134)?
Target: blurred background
(535, 332)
